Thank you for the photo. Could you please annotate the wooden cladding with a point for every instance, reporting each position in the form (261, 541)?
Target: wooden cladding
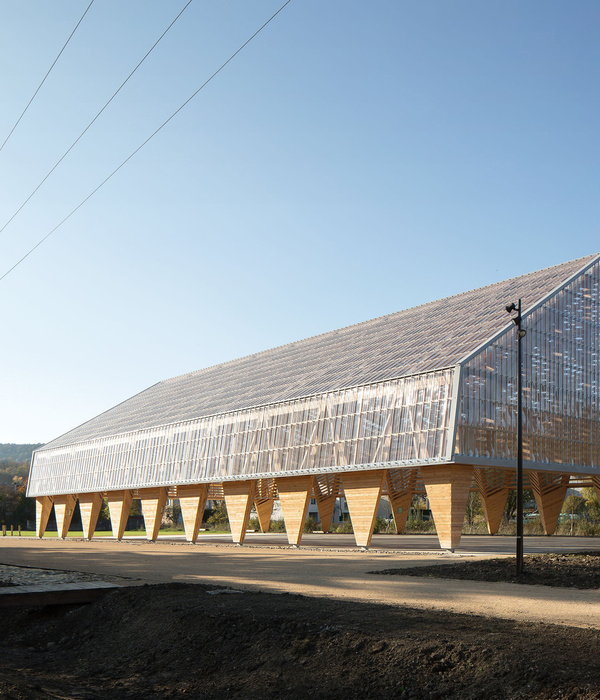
(447, 488)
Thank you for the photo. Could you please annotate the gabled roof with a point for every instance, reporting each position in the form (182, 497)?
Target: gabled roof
(424, 338)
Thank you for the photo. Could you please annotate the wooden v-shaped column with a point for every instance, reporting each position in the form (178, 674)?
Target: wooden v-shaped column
(239, 496)
(326, 489)
(264, 510)
(400, 485)
(264, 498)
(43, 508)
(294, 496)
(153, 506)
(192, 500)
(549, 490)
(64, 505)
(90, 505)
(493, 492)
(119, 507)
(363, 493)
(448, 487)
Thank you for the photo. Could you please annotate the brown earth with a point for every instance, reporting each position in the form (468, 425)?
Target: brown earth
(581, 570)
(198, 641)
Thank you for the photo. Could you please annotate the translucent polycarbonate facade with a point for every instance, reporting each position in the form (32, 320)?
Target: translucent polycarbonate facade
(436, 383)
(561, 385)
(401, 422)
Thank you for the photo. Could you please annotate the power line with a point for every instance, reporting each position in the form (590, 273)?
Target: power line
(66, 153)
(131, 155)
(47, 74)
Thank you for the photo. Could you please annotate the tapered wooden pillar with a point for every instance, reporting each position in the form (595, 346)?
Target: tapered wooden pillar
(264, 510)
(493, 492)
(153, 506)
(43, 508)
(447, 488)
(400, 485)
(326, 489)
(326, 508)
(363, 493)
(90, 505)
(119, 507)
(294, 496)
(549, 490)
(192, 500)
(64, 505)
(239, 496)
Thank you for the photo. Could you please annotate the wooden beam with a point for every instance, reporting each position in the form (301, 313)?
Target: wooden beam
(64, 505)
(43, 508)
(90, 505)
(294, 496)
(192, 500)
(549, 490)
(153, 506)
(264, 510)
(363, 493)
(119, 507)
(239, 496)
(448, 488)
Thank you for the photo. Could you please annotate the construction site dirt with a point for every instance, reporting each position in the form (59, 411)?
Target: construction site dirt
(204, 641)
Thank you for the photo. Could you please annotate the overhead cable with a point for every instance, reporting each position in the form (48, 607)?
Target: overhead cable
(47, 74)
(66, 153)
(131, 155)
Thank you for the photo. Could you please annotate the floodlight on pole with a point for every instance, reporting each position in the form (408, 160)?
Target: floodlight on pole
(521, 333)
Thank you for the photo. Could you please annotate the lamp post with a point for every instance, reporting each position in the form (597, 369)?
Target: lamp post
(521, 333)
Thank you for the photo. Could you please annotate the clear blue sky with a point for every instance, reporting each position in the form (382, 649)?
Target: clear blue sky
(355, 159)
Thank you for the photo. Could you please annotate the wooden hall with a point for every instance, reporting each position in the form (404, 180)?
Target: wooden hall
(424, 399)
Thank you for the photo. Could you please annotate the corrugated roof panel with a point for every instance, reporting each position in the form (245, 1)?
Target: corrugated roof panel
(416, 340)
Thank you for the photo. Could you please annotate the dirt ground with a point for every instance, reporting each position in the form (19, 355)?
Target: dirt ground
(198, 641)
(581, 570)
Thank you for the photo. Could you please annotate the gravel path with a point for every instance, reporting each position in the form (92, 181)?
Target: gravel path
(340, 575)
(29, 576)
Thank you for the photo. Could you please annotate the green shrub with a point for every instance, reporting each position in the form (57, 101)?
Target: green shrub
(277, 526)
(384, 526)
(418, 525)
(478, 527)
(311, 524)
(587, 528)
(218, 519)
(343, 528)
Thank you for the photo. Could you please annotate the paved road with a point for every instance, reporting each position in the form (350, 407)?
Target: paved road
(470, 544)
(341, 572)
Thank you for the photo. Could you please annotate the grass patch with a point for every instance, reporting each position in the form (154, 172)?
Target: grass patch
(108, 533)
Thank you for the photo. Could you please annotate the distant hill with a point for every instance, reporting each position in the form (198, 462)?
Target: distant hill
(20, 453)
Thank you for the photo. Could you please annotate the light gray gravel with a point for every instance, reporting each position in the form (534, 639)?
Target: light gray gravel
(25, 576)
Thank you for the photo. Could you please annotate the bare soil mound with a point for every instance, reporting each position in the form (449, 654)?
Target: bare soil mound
(580, 570)
(176, 640)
